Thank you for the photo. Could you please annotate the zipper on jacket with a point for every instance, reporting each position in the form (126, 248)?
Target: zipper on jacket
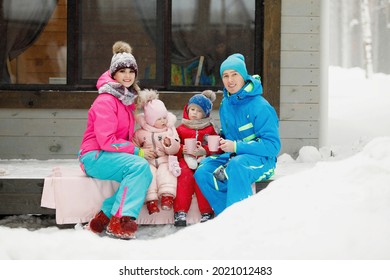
(154, 148)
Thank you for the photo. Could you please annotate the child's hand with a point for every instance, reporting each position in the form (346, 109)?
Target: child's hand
(149, 154)
(185, 152)
(167, 142)
(227, 145)
(200, 151)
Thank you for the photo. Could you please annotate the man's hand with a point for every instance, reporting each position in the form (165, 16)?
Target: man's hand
(227, 145)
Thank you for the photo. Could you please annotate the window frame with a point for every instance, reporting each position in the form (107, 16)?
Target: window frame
(267, 63)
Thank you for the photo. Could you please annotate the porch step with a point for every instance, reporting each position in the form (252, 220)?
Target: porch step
(22, 196)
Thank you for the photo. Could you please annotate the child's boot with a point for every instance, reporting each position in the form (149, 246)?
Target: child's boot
(180, 219)
(166, 202)
(206, 216)
(152, 206)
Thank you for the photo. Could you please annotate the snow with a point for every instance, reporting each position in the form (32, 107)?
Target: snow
(31, 168)
(331, 203)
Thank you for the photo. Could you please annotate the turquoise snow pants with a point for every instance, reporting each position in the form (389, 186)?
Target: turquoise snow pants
(131, 171)
(241, 172)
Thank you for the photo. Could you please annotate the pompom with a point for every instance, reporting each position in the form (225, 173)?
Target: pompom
(121, 47)
(146, 95)
(210, 95)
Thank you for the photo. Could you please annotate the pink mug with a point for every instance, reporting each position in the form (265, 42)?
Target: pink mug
(213, 142)
(191, 145)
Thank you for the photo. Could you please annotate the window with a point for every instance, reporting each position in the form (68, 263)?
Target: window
(204, 33)
(137, 22)
(179, 45)
(34, 43)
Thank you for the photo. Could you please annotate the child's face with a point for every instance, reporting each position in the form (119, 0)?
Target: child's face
(125, 77)
(161, 122)
(232, 81)
(195, 113)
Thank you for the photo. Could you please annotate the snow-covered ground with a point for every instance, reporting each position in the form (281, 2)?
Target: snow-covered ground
(322, 208)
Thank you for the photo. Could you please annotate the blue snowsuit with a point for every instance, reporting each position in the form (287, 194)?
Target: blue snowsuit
(252, 123)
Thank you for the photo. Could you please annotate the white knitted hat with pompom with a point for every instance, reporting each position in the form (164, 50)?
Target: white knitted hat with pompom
(122, 58)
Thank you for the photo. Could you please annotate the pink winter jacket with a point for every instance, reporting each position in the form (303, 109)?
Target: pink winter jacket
(150, 137)
(163, 183)
(110, 125)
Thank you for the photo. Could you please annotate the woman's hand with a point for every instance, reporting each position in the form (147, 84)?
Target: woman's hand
(149, 154)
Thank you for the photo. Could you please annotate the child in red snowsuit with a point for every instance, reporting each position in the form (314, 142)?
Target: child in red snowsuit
(196, 123)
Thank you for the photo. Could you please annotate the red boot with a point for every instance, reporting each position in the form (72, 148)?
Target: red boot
(98, 223)
(166, 202)
(152, 206)
(123, 228)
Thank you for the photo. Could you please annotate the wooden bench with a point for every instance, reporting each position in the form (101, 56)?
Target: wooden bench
(24, 195)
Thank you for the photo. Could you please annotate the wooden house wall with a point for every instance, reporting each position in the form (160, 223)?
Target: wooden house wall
(56, 133)
(47, 133)
(300, 74)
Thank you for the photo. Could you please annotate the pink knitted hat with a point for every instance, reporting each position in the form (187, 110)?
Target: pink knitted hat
(154, 110)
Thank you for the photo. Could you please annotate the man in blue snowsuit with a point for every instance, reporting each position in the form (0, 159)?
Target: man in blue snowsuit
(249, 139)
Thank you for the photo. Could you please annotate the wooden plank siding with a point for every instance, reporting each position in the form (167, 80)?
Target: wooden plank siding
(299, 74)
(48, 133)
(41, 134)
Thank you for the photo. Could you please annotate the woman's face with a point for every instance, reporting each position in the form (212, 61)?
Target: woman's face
(232, 81)
(125, 77)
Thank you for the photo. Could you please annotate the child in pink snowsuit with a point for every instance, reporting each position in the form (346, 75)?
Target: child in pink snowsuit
(157, 131)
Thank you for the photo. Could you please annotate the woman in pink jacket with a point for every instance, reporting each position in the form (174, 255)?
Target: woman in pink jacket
(107, 151)
(157, 132)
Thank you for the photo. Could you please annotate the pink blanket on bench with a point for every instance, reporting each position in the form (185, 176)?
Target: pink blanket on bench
(77, 198)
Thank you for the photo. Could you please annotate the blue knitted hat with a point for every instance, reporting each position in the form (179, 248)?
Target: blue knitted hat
(204, 100)
(235, 62)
